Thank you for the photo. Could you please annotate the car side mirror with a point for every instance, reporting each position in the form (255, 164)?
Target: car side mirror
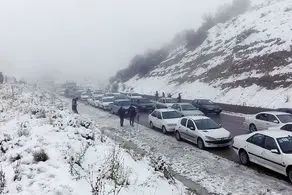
(192, 128)
(275, 151)
(276, 121)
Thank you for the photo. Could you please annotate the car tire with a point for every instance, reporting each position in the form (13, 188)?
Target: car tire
(200, 144)
(164, 131)
(289, 174)
(252, 128)
(178, 136)
(151, 125)
(243, 157)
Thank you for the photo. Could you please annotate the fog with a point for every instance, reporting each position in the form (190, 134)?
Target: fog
(88, 40)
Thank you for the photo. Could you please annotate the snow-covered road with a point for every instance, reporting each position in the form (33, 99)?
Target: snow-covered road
(213, 173)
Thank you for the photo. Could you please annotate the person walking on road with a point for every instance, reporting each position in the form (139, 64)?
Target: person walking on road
(74, 105)
(122, 114)
(132, 114)
(163, 94)
(179, 98)
(156, 96)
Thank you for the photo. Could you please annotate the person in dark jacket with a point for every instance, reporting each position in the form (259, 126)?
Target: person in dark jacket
(132, 114)
(179, 98)
(74, 105)
(156, 96)
(163, 94)
(122, 114)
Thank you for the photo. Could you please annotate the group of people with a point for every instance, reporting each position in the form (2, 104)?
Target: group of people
(131, 112)
(169, 95)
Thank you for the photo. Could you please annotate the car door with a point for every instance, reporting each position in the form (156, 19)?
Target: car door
(182, 128)
(272, 121)
(261, 121)
(153, 118)
(191, 131)
(255, 148)
(159, 120)
(273, 160)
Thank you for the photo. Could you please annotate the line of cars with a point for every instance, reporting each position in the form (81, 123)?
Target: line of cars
(268, 144)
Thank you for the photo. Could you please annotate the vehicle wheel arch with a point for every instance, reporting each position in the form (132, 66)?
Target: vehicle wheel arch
(289, 168)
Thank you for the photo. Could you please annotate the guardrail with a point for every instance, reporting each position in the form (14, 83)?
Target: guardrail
(230, 107)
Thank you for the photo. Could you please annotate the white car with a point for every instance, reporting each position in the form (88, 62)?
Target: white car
(285, 127)
(270, 149)
(106, 102)
(203, 131)
(265, 120)
(165, 103)
(165, 119)
(187, 109)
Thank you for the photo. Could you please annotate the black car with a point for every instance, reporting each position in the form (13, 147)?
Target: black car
(143, 104)
(287, 110)
(207, 106)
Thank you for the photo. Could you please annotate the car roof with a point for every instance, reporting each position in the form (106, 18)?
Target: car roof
(276, 133)
(273, 112)
(196, 117)
(122, 100)
(165, 110)
(184, 103)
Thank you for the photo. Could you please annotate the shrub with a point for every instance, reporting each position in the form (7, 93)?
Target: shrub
(40, 156)
(2, 181)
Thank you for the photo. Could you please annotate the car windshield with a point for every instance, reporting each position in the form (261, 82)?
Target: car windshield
(188, 107)
(285, 144)
(285, 118)
(108, 99)
(124, 103)
(206, 124)
(170, 101)
(171, 114)
(144, 101)
(206, 102)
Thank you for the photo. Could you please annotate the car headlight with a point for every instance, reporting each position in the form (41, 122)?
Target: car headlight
(210, 138)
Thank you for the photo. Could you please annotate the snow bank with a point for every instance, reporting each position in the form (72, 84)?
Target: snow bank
(45, 149)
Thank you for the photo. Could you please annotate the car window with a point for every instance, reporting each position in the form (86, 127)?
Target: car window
(188, 107)
(174, 106)
(271, 118)
(285, 118)
(191, 124)
(262, 117)
(257, 139)
(159, 115)
(154, 114)
(207, 124)
(183, 122)
(270, 143)
(285, 144)
(171, 114)
(287, 127)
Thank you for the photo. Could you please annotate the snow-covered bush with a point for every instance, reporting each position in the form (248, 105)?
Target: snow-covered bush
(2, 181)
(24, 129)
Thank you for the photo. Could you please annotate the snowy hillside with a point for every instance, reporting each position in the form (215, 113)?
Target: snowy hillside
(245, 61)
(45, 149)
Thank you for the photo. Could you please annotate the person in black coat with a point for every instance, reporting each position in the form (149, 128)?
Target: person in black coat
(132, 114)
(122, 114)
(74, 105)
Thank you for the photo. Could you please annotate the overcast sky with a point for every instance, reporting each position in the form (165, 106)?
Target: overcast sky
(88, 39)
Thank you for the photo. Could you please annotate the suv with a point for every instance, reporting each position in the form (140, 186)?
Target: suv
(207, 106)
(143, 104)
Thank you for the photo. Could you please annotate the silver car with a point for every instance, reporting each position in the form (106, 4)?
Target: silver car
(187, 109)
(125, 103)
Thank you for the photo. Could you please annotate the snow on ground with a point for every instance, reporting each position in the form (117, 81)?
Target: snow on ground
(45, 149)
(213, 173)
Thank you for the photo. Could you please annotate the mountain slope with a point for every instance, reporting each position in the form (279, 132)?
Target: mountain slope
(246, 61)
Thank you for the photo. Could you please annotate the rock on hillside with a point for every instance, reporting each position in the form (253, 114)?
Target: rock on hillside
(245, 61)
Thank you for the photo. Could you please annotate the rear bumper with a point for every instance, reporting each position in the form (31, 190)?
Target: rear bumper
(170, 129)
